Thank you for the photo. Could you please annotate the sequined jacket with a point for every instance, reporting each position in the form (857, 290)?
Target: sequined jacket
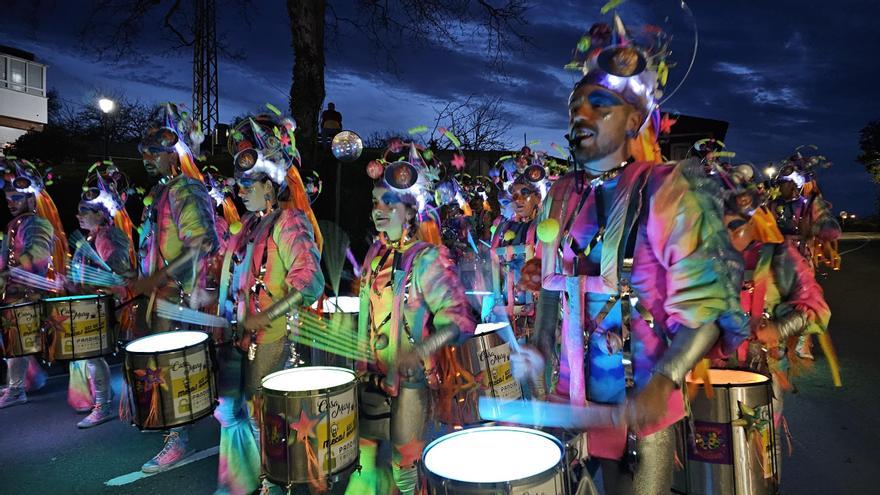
(271, 255)
(428, 306)
(26, 234)
(684, 273)
(181, 211)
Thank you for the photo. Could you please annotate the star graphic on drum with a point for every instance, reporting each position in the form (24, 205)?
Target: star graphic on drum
(150, 377)
(410, 452)
(305, 427)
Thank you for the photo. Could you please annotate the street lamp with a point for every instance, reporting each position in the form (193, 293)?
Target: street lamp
(106, 105)
(769, 172)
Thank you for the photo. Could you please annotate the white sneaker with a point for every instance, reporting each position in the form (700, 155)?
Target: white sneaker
(12, 397)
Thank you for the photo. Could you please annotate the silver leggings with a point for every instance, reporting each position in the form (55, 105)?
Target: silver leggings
(653, 475)
(17, 369)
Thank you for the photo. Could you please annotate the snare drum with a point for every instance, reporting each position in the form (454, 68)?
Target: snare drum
(317, 407)
(486, 356)
(496, 460)
(727, 457)
(20, 332)
(171, 379)
(80, 326)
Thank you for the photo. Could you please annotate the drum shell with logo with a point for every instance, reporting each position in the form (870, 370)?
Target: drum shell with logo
(724, 459)
(80, 327)
(488, 347)
(284, 458)
(546, 474)
(178, 369)
(21, 333)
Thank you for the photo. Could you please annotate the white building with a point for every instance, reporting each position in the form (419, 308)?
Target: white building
(23, 102)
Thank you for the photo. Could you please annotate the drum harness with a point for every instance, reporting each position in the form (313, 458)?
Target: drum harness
(617, 339)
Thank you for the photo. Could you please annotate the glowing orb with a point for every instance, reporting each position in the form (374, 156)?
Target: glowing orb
(347, 146)
(548, 230)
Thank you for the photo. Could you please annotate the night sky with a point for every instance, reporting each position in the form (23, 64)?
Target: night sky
(783, 73)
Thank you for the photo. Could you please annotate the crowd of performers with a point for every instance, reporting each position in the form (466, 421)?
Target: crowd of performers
(618, 275)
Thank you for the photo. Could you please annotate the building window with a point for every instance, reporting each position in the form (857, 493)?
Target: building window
(20, 75)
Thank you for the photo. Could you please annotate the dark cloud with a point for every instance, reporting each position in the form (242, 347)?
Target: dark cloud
(783, 74)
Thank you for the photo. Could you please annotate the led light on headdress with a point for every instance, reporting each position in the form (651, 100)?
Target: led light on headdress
(102, 196)
(263, 146)
(532, 173)
(173, 129)
(801, 166)
(412, 177)
(633, 62)
(21, 176)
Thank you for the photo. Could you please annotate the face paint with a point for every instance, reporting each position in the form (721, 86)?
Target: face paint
(389, 213)
(597, 123)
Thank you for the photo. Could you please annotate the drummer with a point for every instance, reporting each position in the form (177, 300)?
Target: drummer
(273, 270)
(514, 244)
(101, 211)
(780, 292)
(176, 234)
(34, 242)
(412, 305)
(640, 265)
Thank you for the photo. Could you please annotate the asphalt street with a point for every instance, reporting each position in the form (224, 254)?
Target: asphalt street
(835, 432)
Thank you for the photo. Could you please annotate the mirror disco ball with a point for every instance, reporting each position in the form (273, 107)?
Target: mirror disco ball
(347, 146)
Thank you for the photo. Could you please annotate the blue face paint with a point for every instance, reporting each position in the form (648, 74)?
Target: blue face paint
(601, 98)
(389, 198)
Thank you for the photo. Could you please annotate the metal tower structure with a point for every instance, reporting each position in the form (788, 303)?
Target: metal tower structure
(205, 92)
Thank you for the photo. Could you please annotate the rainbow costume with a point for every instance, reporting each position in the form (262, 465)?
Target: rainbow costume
(272, 265)
(36, 244)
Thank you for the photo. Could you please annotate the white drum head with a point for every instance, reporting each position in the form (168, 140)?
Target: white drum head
(342, 304)
(166, 341)
(492, 454)
(489, 327)
(730, 377)
(307, 379)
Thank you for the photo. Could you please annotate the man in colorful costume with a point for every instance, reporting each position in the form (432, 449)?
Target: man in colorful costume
(271, 268)
(780, 293)
(102, 215)
(34, 243)
(412, 306)
(177, 234)
(642, 263)
(514, 244)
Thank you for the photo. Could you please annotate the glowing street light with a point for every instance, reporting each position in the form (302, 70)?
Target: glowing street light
(106, 104)
(770, 172)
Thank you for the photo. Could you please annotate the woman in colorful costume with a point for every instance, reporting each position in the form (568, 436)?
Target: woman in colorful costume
(35, 243)
(271, 268)
(780, 293)
(514, 244)
(412, 305)
(101, 213)
(177, 235)
(641, 262)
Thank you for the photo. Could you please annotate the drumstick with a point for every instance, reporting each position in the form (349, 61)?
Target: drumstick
(25, 277)
(81, 246)
(540, 413)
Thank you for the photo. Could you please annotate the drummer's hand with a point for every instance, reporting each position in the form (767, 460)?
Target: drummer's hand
(255, 322)
(408, 362)
(527, 364)
(649, 406)
(768, 334)
(200, 298)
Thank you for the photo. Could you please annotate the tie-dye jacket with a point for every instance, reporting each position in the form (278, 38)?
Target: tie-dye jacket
(779, 282)
(112, 245)
(181, 211)
(427, 298)
(271, 255)
(684, 273)
(31, 235)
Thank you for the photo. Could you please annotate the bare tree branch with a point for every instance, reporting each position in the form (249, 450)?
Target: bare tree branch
(479, 124)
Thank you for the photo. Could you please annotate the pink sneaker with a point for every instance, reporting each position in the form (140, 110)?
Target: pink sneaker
(100, 414)
(176, 449)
